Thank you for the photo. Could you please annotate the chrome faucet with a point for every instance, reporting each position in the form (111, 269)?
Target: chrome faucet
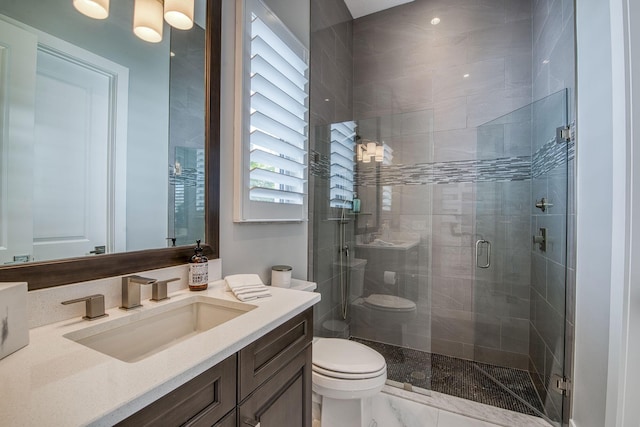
(131, 290)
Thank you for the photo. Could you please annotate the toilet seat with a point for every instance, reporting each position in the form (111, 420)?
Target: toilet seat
(343, 369)
(389, 303)
(340, 358)
(348, 375)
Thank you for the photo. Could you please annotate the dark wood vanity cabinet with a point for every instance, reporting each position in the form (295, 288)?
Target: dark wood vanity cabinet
(274, 376)
(284, 400)
(203, 401)
(267, 382)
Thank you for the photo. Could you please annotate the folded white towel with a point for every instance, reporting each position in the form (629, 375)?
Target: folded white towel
(247, 286)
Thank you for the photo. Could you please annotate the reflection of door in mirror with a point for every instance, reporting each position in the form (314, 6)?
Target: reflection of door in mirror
(16, 117)
(76, 202)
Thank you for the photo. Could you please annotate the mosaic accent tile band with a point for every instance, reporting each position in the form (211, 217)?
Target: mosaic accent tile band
(520, 168)
(550, 156)
(319, 165)
(492, 170)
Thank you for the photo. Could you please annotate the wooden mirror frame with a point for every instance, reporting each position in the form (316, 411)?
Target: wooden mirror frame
(40, 275)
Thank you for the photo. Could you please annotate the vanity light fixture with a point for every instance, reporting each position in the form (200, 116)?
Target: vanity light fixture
(147, 15)
(96, 9)
(370, 150)
(379, 153)
(179, 13)
(147, 20)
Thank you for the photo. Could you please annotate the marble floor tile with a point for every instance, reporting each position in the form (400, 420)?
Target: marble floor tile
(449, 419)
(393, 411)
(475, 411)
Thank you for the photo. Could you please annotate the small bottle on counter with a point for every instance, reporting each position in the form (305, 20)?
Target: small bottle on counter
(198, 270)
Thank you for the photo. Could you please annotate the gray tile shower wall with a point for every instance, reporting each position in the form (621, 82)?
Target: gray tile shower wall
(553, 291)
(474, 66)
(330, 101)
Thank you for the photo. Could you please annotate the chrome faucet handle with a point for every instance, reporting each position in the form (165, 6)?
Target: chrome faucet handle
(159, 289)
(94, 306)
(131, 290)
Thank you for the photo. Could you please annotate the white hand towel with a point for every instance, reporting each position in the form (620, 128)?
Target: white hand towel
(246, 287)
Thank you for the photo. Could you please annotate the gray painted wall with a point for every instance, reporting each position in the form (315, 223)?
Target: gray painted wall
(251, 248)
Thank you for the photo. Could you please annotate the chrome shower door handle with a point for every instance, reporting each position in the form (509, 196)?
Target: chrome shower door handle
(488, 244)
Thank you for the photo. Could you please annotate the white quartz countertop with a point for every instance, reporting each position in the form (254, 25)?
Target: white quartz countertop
(57, 382)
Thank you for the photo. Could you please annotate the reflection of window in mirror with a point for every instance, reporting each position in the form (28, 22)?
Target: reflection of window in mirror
(342, 169)
(93, 133)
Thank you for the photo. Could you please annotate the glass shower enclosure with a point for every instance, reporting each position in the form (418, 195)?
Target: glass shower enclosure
(453, 270)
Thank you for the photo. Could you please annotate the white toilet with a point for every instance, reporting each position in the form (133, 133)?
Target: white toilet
(345, 376)
(377, 309)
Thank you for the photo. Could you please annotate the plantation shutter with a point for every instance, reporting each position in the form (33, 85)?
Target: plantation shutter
(342, 164)
(275, 125)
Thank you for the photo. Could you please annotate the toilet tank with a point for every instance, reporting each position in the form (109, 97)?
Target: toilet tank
(356, 270)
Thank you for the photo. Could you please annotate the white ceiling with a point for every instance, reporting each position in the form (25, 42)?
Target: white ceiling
(360, 8)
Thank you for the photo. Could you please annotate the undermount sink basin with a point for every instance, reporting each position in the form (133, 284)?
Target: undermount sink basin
(140, 335)
(390, 244)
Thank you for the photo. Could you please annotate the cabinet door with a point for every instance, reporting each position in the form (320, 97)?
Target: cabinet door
(200, 402)
(228, 421)
(261, 359)
(284, 400)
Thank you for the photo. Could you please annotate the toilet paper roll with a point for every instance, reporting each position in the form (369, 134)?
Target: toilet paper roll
(389, 277)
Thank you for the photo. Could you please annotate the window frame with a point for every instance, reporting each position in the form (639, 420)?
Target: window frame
(245, 209)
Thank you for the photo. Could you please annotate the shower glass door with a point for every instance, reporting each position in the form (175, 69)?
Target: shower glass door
(372, 264)
(520, 259)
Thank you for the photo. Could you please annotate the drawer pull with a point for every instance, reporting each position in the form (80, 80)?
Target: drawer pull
(250, 422)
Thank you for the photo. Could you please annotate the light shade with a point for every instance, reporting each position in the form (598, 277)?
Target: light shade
(366, 158)
(179, 13)
(379, 153)
(96, 9)
(147, 20)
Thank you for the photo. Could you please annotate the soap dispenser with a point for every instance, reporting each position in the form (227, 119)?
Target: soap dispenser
(198, 270)
(355, 204)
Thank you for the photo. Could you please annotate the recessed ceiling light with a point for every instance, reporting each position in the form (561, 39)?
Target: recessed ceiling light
(435, 21)
(327, 100)
(466, 75)
(546, 61)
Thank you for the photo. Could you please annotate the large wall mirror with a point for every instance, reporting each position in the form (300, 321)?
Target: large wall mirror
(109, 144)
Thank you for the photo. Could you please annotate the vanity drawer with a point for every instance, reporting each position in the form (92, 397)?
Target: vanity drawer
(202, 401)
(263, 358)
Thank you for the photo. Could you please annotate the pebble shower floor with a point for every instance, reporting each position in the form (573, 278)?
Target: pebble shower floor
(461, 378)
